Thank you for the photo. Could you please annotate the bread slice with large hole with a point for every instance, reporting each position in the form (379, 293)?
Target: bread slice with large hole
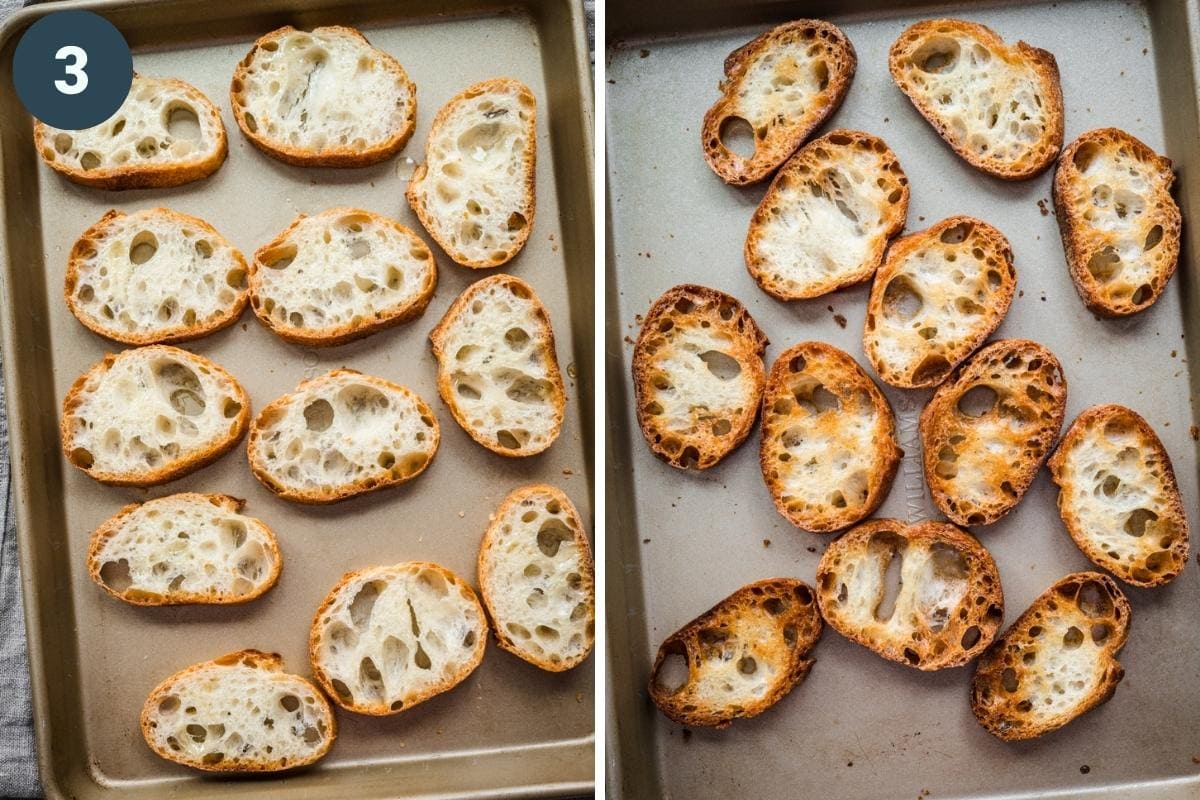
(324, 98)
(387, 638)
(939, 294)
(998, 106)
(238, 713)
(829, 451)
(150, 415)
(698, 375)
(926, 595)
(340, 275)
(1057, 661)
(740, 657)
(1120, 226)
(777, 90)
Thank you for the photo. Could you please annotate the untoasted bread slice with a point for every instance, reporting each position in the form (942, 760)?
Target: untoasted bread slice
(998, 106)
(781, 86)
(1057, 661)
(949, 606)
(940, 293)
(698, 375)
(827, 218)
(1120, 226)
(989, 427)
(740, 657)
(829, 450)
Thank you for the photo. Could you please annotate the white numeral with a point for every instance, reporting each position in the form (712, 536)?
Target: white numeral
(74, 69)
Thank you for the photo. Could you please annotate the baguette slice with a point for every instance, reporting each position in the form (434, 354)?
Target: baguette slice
(826, 219)
(166, 133)
(387, 638)
(740, 657)
(829, 450)
(238, 713)
(1118, 496)
(950, 603)
(323, 99)
(782, 86)
(475, 191)
(341, 275)
(497, 370)
(150, 415)
(989, 427)
(940, 293)
(1057, 661)
(1120, 226)
(339, 435)
(698, 375)
(1000, 107)
(185, 548)
(536, 578)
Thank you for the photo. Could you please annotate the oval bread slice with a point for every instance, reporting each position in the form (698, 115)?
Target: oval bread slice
(387, 638)
(698, 375)
(238, 713)
(150, 415)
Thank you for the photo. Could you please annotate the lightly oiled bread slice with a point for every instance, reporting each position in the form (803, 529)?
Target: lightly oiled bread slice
(778, 88)
(1057, 661)
(323, 99)
(949, 605)
(238, 713)
(387, 638)
(475, 192)
(740, 657)
(340, 275)
(1120, 226)
(939, 294)
(150, 415)
(999, 107)
(698, 375)
(826, 219)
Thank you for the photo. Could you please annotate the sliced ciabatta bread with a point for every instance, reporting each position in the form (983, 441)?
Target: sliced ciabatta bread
(998, 106)
(829, 450)
(740, 657)
(1057, 661)
(475, 191)
(989, 427)
(325, 98)
(497, 370)
(1120, 226)
(940, 293)
(238, 713)
(151, 415)
(166, 133)
(827, 218)
(698, 375)
(949, 605)
(387, 638)
(778, 88)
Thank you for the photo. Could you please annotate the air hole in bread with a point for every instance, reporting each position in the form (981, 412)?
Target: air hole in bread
(168, 705)
(82, 457)
(1143, 294)
(526, 389)
(143, 247)
(938, 55)
(251, 122)
(1100, 632)
(724, 367)
(115, 575)
(890, 553)
(1072, 638)
(517, 339)
(342, 691)
(182, 122)
(1153, 237)
(279, 257)
(1135, 523)
(62, 143)
(1105, 264)
(89, 160)
(901, 300)
(977, 401)
(721, 427)
(510, 440)
(814, 398)
(318, 415)
(672, 674)
(516, 221)
(957, 234)
(1094, 601)
(1008, 679)
(970, 637)
(737, 136)
(551, 536)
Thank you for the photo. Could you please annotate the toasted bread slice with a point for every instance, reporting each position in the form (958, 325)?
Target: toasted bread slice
(989, 427)
(698, 375)
(781, 86)
(238, 713)
(1057, 661)
(387, 638)
(998, 106)
(1120, 226)
(829, 450)
(740, 657)
(166, 133)
(827, 218)
(150, 415)
(940, 293)
(949, 606)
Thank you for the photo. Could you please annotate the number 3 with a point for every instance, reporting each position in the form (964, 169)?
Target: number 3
(74, 69)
